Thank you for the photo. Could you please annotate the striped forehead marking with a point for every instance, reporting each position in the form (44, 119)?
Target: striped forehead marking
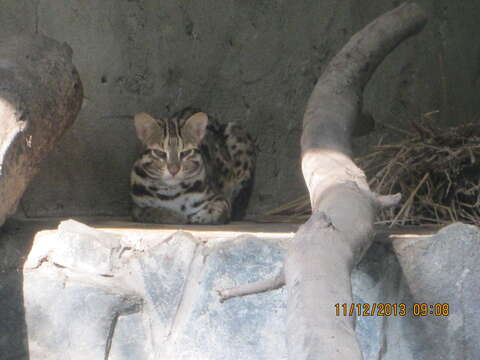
(172, 131)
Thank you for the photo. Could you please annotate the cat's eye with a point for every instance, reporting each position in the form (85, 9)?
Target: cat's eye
(185, 153)
(159, 154)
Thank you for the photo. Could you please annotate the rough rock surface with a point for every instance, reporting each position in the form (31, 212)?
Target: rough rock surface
(40, 96)
(452, 259)
(154, 297)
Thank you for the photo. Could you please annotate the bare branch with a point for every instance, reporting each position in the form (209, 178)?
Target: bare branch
(387, 201)
(320, 259)
(253, 288)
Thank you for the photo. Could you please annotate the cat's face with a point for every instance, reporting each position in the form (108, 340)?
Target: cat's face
(172, 146)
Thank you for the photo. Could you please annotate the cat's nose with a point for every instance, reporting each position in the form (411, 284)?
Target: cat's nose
(173, 169)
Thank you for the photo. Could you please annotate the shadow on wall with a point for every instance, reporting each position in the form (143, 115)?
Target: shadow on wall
(15, 243)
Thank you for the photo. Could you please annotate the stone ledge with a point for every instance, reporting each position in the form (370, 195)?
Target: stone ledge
(130, 291)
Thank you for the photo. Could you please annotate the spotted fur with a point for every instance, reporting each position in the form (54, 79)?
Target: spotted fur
(193, 169)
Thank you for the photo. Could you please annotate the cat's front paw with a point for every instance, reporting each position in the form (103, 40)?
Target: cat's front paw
(157, 216)
(214, 213)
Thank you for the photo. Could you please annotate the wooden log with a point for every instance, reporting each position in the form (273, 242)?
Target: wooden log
(40, 97)
(326, 248)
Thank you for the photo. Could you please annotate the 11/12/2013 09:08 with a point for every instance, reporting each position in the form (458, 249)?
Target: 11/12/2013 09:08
(391, 309)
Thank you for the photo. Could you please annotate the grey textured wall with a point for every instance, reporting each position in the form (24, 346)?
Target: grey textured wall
(252, 61)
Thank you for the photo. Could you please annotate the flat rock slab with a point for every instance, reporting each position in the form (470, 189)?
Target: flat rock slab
(40, 97)
(446, 270)
(151, 294)
(163, 289)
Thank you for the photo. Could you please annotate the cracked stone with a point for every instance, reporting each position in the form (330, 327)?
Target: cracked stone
(160, 301)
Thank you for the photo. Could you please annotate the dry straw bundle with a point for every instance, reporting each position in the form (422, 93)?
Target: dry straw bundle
(436, 170)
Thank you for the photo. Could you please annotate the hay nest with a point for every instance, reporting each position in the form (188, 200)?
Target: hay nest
(436, 170)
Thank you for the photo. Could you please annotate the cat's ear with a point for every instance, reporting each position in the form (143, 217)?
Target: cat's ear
(196, 126)
(147, 128)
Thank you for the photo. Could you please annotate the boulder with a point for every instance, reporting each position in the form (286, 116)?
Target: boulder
(154, 296)
(443, 273)
(40, 97)
(150, 300)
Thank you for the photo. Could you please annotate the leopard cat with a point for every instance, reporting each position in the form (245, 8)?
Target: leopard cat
(194, 170)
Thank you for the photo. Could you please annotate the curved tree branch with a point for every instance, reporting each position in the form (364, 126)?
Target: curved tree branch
(327, 247)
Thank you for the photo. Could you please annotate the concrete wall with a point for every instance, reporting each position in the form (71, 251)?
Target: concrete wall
(252, 61)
